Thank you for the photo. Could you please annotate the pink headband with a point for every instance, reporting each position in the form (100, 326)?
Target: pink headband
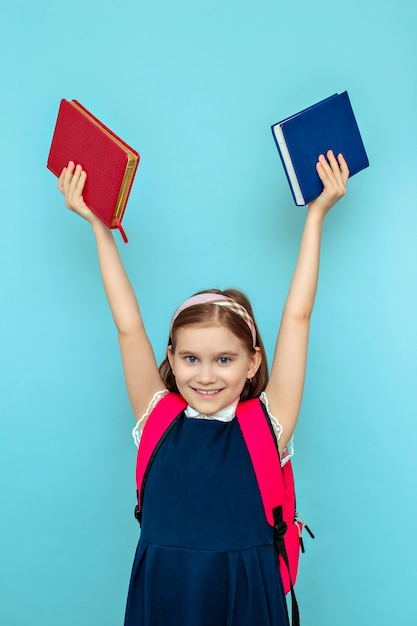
(220, 300)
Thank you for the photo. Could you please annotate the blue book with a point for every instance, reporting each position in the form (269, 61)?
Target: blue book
(301, 138)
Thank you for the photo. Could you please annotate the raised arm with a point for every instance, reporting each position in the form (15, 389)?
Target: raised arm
(139, 365)
(286, 382)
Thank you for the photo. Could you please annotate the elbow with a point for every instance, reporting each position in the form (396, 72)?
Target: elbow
(299, 314)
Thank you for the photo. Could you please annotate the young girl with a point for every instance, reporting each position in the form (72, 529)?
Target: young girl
(206, 555)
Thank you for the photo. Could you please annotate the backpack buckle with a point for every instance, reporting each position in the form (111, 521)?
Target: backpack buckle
(138, 514)
(280, 526)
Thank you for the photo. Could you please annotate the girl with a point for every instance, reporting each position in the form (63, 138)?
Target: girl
(205, 555)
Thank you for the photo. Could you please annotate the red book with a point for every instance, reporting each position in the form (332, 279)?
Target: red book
(109, 162)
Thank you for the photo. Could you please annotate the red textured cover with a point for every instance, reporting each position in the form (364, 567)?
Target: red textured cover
(77, 138)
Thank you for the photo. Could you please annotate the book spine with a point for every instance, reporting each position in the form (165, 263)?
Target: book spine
(288, 166)
(125, 187)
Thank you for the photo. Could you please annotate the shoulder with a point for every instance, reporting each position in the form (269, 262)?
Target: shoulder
(288, 451)
(275, 423)
(138, 429)
(163, 408)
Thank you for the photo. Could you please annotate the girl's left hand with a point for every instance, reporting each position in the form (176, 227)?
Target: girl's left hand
(334, 174)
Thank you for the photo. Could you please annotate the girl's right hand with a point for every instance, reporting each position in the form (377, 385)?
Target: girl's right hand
(71, 184)
(333, 173)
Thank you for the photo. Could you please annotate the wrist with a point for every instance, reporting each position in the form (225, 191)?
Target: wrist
(97, 225)
(316, 212)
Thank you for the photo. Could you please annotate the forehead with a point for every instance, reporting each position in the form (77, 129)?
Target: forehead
(208, 336)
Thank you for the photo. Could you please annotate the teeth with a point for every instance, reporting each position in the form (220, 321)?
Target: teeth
(207, 393)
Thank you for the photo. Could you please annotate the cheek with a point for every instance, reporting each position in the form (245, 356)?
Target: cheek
(239, 377)
(178, 370)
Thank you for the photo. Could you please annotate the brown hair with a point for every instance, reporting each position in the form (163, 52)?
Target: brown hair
(209, 312)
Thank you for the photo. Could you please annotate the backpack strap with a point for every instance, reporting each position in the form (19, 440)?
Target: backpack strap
(263, 453)
(155, 430)
(276, 487)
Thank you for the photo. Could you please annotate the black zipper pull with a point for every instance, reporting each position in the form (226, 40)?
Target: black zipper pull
(309, 531)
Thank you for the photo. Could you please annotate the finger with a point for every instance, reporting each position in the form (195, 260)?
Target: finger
(67, 177)
(75, 179)
(323, 168)
(334, 165)
(326, 161)
(67, 183)
(70, 168)
(331, 172)
(74, 197)
(344, 169)
(339, 166)
(81, 182)
(60, 184)
(79, 177)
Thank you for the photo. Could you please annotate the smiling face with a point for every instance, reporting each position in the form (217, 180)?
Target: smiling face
(211, 365)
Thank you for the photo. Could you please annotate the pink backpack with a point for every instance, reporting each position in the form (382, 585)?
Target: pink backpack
(278, 495)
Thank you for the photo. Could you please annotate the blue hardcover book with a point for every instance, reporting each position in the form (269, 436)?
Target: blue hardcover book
(301, 138)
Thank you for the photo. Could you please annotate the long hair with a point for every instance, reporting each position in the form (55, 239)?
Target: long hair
(209, 312)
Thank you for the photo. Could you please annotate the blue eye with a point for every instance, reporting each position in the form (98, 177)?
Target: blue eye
(191, 359)
(224, 360)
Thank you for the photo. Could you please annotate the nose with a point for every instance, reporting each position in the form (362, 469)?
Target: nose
(206, 374)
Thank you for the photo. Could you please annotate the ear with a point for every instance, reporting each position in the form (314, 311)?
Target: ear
(170, 357)
(255, 361)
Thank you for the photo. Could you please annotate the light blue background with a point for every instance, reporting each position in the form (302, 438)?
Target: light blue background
(195, 86)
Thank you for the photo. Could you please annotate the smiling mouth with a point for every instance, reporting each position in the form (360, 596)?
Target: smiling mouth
(207, 392)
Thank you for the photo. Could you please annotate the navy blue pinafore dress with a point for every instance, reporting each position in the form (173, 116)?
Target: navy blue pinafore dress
(205, 556)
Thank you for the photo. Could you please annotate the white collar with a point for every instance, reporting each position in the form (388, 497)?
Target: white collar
(224, 415)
